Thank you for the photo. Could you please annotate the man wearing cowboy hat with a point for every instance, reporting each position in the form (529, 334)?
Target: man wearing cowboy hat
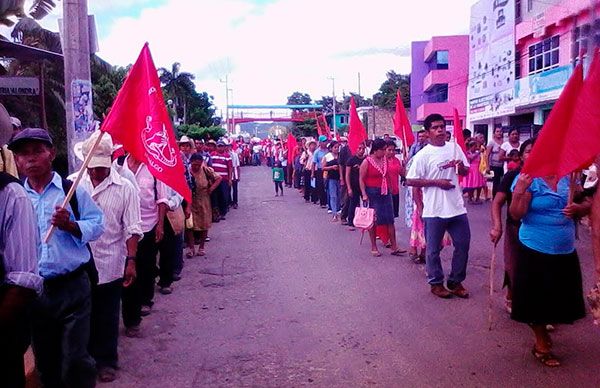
(114, 252)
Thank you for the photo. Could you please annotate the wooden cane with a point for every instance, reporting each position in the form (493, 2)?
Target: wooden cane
(491, 296)
(71, 192)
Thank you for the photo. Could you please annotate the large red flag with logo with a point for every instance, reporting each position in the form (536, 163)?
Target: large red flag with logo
(459, 137)
(357, 133)
(553, 153)
(402, 127)
(139, 120)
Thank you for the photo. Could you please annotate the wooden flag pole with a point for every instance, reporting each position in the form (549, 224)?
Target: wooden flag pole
(405, 145)
(71, 192)
(491, 296)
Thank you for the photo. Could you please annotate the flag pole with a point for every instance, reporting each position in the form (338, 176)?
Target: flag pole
(69, 195)
(491, 296)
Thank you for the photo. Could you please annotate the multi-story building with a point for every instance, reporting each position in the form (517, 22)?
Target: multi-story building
(438, 81)
(547, 38)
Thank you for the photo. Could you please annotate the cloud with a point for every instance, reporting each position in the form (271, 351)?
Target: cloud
(272, 48)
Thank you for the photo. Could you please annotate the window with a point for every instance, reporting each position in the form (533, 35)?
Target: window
(544, 55)
(438, 93)
(517, 64)
(343, 119)
(529, 5)
(517, 11)
(441, 59)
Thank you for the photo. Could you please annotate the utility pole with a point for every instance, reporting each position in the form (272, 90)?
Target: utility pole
(226, 82)
(359, 84)
(78, 85)
(232, 112)
(334, 103)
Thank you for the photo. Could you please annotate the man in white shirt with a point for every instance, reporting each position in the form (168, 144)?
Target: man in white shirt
(235, 175)
(154, 204)
(114, 252)
(436, 169)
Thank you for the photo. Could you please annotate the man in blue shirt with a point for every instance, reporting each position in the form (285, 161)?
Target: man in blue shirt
(318, 171)
(61, 316)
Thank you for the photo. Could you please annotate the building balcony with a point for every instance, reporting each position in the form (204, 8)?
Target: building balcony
(553, 15)
(446, 109)
(436, 77)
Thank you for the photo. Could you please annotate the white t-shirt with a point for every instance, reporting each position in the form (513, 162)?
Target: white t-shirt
(507, 148)
(430, 163)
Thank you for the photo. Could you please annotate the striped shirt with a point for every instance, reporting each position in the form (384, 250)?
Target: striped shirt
(221, 163)
(19, 239)
(120, 203)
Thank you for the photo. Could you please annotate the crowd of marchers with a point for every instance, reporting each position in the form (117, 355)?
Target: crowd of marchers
(439, 179)
(123, 235)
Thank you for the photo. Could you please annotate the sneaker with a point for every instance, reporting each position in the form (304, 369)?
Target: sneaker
(329, 212)
(146, 310)
(440, 291)
(132, 331)
(166, 290)
(458, 290)
(106, 374)
(176, 277)
(207, 239)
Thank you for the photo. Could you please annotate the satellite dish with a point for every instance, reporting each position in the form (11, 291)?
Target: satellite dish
(6, 129)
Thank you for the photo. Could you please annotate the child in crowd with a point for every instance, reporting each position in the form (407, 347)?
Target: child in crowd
(515, 160)
(474, 181)
(278, 178)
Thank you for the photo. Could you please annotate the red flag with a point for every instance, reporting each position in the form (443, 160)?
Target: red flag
(139, 120)
(319, 129)
(326, 129)
(234, 145)
(458, 133)
(402, 127)
(292, 144)
(553, 153)
(357, 133)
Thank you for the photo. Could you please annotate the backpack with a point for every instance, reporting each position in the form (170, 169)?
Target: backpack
(5, 180)
(90, 266)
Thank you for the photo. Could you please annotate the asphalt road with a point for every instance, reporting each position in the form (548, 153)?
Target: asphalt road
(286, 299)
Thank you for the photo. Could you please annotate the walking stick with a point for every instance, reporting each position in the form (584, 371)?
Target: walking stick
(491, 296)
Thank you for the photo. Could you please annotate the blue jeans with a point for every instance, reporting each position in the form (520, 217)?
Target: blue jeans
(458, 228)
(333, 190)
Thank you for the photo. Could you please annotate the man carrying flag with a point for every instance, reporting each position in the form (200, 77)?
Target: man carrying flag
(139, 120)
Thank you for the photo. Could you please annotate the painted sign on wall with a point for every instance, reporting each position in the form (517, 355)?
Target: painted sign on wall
(19, 86)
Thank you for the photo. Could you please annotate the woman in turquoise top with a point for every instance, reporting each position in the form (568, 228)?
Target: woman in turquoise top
(547, 285)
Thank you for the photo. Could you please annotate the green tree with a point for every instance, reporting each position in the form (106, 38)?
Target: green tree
(327, 103)
(386, 97)
(201, 133)
(201, 111)
(298, 98)
(107, 81)
(179, 86)
(306, 128)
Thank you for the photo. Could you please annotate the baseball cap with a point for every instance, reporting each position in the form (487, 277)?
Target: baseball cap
(322, 138)
(28, 135)
(102, 156)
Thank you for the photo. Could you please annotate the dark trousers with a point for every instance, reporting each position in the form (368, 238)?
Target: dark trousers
(167, 249)
(278, 186)
(298, 178)
(178, 264)
(307, 187)
(234, 192)
(141, 291)
(353, 202)
(104, 325)
(396, 204)
(498, 175)
(345, 202)
(223, 197)
(61, 333)
(320, 193)
(14, 340)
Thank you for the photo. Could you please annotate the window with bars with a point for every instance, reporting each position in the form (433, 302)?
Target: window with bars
(544, 55)
(529, 5)
(517, 64)
(518, 11)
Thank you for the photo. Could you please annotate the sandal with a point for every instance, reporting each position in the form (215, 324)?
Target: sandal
(376, 253)
(398, 252)
(546, 358)
(201, 252)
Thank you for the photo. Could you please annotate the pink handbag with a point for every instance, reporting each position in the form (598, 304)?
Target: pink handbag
(364, 218)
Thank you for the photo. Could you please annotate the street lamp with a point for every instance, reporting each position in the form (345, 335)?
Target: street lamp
(226, 82)
(334, 103)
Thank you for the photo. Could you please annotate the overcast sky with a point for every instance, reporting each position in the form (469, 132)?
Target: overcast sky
(271, 48)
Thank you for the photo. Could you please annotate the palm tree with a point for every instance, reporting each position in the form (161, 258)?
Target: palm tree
(178, 85)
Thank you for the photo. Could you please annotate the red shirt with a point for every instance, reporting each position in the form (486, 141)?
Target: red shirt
(393, 173)
(221, 163)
